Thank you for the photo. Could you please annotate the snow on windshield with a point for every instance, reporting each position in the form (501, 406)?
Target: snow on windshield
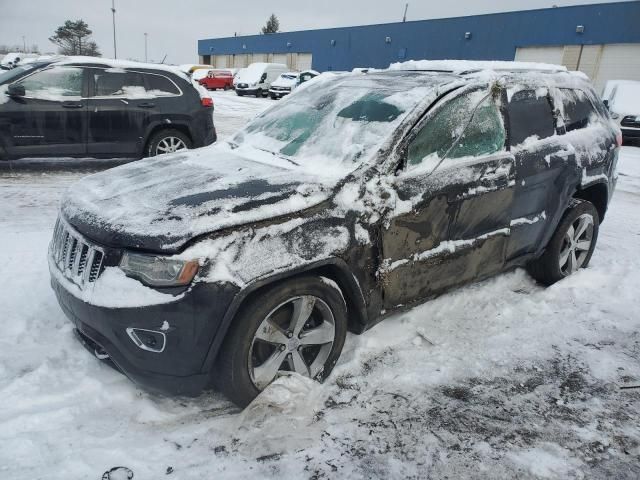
(626, 99)
(336, 124)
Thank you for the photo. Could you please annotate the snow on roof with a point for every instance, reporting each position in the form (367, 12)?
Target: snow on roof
(472, 65)
(122, 64)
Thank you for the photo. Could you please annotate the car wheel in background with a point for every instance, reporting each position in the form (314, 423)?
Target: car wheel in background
(571, 246)
(239, 93)
(298, 326)
(226, 87)
(167, 141)
(259, 93)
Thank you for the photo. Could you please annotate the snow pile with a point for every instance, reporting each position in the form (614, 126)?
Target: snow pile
(470, 65)
(626, 100)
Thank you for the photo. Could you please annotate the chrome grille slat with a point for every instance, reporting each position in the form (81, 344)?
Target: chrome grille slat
(77, 259)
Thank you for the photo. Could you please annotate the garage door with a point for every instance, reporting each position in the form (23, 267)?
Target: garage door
(221, 61)
(618, 62)
(258, 57)
(304, 61)
(540, 54)
(279, 58)
(240, 61)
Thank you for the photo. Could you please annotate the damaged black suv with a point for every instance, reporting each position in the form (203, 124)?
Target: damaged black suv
(357, 196)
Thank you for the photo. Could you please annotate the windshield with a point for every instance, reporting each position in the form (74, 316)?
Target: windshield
(626, 98)
(337, 122)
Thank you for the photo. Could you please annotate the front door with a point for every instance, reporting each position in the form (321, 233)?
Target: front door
(454, 198)
(51, 118)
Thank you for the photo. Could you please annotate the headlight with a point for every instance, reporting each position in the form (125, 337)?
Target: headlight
(158, 271)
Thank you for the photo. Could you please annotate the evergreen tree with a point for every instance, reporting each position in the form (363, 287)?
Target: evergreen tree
(74, 38)
(272, 26)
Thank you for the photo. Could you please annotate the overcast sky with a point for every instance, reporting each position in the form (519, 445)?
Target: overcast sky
(174, 26)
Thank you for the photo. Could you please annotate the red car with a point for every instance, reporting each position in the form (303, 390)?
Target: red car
(218, 79)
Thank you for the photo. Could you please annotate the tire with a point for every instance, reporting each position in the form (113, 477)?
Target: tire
(226, 87)
(239, 93)
(259, 93)
(242, 365)
(552, 266)
(164, 139)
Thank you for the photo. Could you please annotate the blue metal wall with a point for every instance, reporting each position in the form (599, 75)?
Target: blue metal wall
(493, 37)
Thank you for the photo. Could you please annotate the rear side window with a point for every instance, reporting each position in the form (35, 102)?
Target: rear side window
(160, 85)
(577, 109)
(530, 115)
(118, 83)
(474, 117)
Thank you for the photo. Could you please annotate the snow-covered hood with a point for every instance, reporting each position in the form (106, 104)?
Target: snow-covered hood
(160, 204)
(286, 80)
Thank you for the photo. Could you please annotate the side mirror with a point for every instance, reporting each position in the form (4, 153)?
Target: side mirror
(263, 78)
(16, 90)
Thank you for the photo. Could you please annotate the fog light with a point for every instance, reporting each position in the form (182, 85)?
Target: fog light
(148, 340)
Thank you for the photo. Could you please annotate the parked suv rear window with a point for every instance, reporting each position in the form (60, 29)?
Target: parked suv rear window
(481, 134)
(117, 83)
(530, 115)
(160, 85)
(577, 109)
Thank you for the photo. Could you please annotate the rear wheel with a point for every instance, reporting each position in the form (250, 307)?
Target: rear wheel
(571, 246)
(259, 93)
(226, 87)
(168, 141)
(296, 326)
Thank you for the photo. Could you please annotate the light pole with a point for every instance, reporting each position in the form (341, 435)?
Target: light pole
(113, 13)
(145, 47)
(24, 44)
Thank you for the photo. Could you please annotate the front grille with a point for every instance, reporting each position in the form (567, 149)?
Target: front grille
(630, 121)
(77, 259)
(281, 89)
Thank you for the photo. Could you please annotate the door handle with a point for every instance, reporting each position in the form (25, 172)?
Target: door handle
(147, 105)
(72, 105)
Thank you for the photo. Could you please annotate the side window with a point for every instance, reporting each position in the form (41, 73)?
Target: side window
(577, 109)
(530, 115)
(53, 83)
(117, 83)
(475, 116)
(160, 85)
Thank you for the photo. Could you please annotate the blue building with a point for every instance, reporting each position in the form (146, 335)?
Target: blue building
(603, 40)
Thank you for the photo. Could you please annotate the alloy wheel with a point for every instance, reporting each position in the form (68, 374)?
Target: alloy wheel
(576, 244)
(297, 335)
(170, 145)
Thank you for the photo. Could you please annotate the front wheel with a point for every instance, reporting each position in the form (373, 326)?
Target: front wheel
(297, 326)
(259, 93)
(571, 245)
(167, 141)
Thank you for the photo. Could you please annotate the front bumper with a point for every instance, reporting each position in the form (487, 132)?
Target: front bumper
(189, 324)
(630, 133)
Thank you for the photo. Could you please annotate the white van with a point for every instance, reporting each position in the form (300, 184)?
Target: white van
(258, 77)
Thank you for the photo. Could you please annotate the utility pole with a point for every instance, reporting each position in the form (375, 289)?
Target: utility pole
(404, 18)
(24, 44)
(113, 13)
(145, 47)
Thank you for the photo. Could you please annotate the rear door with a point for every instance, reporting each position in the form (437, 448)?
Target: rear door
(456, 195)
(51, 119)
(119, 108)
(543, 162)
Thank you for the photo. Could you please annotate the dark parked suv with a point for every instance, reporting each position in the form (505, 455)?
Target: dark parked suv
(355, 197)
(101, 108)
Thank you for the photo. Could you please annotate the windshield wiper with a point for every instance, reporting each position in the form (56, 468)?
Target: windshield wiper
(279, 156)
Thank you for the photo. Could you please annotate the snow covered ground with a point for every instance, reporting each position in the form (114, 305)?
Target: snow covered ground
(500, 379)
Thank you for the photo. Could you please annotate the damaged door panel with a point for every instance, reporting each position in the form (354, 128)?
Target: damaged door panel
(458, 226)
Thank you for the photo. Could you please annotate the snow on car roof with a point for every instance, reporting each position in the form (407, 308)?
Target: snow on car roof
(473, 65)
(122, 64)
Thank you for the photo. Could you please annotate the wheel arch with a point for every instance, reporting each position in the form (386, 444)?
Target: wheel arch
(335, 269)
(598, 195)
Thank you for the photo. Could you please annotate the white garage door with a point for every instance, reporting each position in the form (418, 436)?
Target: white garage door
(221, 61)
(240, 61)
(304, 61)
(618, 62)
(540, 54)
(279, 58)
